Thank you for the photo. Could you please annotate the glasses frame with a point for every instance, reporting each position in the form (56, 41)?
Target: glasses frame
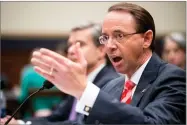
(115, 38)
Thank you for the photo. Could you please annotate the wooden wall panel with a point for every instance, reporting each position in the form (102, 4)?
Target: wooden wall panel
(12, 61)
(16, 51)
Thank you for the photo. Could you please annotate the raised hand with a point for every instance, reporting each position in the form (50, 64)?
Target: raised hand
(66, 75)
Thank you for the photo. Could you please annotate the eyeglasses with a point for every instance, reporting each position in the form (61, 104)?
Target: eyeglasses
(117, 36)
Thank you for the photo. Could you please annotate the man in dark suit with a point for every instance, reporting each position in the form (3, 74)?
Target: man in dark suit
(159, 98)
(158, 95)
(153, 92)
(99, 71)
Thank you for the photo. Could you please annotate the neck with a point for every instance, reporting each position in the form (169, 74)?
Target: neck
(141, 60)
(93, 67)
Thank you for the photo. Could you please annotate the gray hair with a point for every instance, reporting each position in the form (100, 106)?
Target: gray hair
(96, 31)
(179, 38)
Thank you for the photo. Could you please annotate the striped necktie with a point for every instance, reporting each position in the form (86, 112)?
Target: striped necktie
(126, 96)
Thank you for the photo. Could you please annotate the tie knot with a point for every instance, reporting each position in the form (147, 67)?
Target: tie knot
(129, 85)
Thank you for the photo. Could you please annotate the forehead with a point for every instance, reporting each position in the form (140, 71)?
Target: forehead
(80, 35)
(118, 20)
(169, 44)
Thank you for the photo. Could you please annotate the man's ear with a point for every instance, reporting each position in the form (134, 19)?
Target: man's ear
(148, 36)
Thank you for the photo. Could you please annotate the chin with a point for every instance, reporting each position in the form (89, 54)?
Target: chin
(120, 70)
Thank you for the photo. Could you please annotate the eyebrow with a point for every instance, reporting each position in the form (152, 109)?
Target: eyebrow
(118, 31)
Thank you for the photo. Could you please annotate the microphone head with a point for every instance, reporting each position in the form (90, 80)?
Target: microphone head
(47, 84)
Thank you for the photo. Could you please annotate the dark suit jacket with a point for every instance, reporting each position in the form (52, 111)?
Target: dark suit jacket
(160, 98)
(63, 111)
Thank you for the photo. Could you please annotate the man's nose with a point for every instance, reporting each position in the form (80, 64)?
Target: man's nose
(110, 45)
(171, 56)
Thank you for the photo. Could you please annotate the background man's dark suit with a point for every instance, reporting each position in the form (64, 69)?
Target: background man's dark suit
(160, 97)
(62, 112)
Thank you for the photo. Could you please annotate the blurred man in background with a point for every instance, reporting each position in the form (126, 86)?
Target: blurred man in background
(174, 50)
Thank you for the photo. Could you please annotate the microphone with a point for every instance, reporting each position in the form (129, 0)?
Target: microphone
(46, 85)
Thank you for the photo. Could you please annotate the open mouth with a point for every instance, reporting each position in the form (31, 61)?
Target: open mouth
(116, 59)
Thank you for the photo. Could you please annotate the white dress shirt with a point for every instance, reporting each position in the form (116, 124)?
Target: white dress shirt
(91, 92)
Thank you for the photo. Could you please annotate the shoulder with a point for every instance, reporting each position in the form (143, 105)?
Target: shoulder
(160, 72)
(171, 79)
(171, 71)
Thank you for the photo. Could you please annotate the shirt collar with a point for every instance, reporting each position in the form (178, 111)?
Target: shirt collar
(136, 76)
(93, 74)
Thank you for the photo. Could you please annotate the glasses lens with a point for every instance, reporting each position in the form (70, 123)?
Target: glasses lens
(103, 39)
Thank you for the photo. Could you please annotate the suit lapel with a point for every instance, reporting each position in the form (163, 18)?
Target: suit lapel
(118, 89)
(148, 76)
(115, 87)
(100, 75)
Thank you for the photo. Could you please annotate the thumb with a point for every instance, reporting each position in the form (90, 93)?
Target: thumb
(80, 55)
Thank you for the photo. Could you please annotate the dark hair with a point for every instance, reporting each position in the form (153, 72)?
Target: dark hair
(144, 20)
(96, 31)
(179, 38)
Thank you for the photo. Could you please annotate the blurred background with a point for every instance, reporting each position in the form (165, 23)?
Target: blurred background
(26, 26)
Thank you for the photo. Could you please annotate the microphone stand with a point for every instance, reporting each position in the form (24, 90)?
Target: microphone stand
(6, 123)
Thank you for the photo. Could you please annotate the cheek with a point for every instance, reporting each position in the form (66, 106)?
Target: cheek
(181, 56)
(89, 54)
(137, 45)
(85, 53)
(133, 50)
(127, 54)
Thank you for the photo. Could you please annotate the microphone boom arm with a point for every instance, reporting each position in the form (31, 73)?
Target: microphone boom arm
(6, 123)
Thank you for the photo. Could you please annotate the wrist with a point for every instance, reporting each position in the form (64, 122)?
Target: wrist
(81, 90)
